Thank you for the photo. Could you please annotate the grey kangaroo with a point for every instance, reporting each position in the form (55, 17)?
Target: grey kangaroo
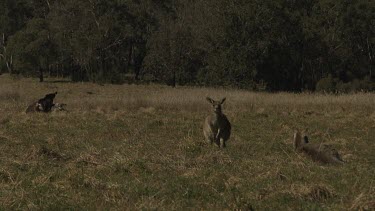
(42, 105)
(216, 127)
(318, 152)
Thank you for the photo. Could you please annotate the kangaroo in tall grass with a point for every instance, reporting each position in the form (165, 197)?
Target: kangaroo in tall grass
(216, 127)
(318, 152)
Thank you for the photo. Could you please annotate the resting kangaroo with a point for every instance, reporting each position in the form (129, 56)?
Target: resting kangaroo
(45, 104)
(318, 152)
(216, 127)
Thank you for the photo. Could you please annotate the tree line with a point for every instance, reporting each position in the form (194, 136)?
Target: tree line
(275, 45)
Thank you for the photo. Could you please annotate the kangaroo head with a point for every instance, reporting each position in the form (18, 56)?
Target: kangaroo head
(50, 96)
(300, 140)
(216, 104)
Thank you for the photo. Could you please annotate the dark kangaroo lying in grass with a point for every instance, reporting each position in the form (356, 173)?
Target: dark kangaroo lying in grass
(43, 105)
(216, 127)
(318, 152)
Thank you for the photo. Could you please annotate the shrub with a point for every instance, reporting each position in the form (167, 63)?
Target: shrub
(342, 87)
(355, 86)
(367, 84)
(327, 84)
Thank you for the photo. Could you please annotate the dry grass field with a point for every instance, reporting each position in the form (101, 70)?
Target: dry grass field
(141, 147)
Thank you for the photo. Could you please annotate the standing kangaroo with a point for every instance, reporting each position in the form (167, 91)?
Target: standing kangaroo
(318, 152)
(216, 127)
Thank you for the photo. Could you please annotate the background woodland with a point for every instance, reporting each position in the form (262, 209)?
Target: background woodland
(272, 45)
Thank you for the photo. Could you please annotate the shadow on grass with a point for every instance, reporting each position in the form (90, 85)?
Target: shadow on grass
(59, 81)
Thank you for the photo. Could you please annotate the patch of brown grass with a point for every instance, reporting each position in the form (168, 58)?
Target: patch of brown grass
(9, 95)
(316, 193)
(364, 201)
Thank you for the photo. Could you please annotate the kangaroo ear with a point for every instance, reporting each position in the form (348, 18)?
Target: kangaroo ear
(222, 101)
(306, 139)
(210, 100)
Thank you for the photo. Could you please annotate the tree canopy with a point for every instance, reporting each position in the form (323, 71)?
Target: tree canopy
(277, 45)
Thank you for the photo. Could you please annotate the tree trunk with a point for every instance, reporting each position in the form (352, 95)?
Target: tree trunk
(174, 79)
(137, 66)
(8, 62)
(130, 55)
(370, 56)
(41, 77)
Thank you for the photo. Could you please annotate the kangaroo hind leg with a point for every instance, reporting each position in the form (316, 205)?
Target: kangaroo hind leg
(222, 143)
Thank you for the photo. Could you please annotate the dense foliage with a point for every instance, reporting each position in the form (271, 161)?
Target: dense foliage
(289, 45)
